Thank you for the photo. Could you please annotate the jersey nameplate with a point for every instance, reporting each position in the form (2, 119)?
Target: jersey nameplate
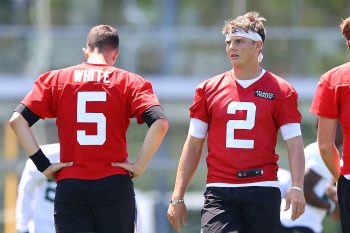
(91, 75)
(264, 94)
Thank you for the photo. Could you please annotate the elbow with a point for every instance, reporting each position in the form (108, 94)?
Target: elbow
(163, 124)
(324, 147)
(14, 119)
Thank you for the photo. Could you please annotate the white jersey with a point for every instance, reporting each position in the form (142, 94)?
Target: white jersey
(313, 216)
(284, 180)
(34, 207)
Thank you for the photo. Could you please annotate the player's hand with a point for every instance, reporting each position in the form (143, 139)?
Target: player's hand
(331, 192)
(177, 213)
(297, 200)
(134, 169)
(51, 171)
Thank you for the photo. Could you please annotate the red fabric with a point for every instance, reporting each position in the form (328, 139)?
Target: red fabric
(229, 110)
(108, 97)
(332, 100)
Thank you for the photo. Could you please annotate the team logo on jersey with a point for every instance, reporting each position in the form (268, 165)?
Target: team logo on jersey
(264, 94)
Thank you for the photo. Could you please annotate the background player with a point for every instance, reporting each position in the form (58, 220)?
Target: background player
(331, 104)
(36, 193)
(92, 103)
(319, 189)
(241, 110)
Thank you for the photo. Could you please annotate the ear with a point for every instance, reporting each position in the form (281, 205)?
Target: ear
(115, 55)
(86, 53)
(259, 45)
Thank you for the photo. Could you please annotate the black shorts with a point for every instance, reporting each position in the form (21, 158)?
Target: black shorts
(243, 209)
(297, 230)
(105, 205)
(344, 203)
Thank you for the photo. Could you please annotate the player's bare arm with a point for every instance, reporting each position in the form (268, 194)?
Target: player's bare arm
(191, 153)
(329, 152)
(26, 138)
(296, 158)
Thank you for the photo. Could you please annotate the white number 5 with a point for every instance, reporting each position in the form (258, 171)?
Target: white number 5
(98, 118)
(248, 123)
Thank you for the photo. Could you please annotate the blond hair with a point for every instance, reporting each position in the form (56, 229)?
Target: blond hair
(250, 21)
(345, 28)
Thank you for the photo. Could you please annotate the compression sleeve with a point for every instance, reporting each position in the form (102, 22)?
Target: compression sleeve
(198, 128)
(28, 115)
(150, 115)
(290, 130)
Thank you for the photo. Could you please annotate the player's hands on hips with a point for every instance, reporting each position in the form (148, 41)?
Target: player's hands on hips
(177, 213)
(134, 169)
(51, 171)
(297, 200)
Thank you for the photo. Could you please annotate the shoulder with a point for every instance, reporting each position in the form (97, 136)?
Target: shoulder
(279, 86)
(338, 75)
(130, 78)
(213, 81)
(48, 77)
(278, 81)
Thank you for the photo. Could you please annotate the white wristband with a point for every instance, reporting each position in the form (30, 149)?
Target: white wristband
(297, 188)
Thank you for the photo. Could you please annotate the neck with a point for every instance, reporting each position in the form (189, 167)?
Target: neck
(246, 73)
(100, 58)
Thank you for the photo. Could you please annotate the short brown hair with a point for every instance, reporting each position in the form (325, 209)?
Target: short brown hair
(102, 37)
(345, 28)
(251, 21)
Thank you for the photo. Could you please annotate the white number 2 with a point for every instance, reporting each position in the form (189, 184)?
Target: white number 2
(248, 123)
(98, 118)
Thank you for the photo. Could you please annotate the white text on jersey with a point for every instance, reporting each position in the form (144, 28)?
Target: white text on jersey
(91, 75)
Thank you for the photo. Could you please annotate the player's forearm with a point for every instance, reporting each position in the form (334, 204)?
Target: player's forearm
(188, 164)
(24, 134)
(330, 156)
(153, 139)
(296, 160)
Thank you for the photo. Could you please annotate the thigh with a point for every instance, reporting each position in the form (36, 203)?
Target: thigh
(112, 218)
(219, 214)
(71, 218)
(261, 210)
(344, 203)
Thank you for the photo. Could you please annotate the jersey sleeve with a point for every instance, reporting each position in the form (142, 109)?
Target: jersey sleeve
(199, 108)
(39, 99)
(324, 103)
(287, 110)
(143, 98)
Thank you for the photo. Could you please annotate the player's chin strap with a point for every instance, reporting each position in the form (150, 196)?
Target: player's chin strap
(246, 34)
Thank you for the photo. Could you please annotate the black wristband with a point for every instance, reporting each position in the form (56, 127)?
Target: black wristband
(40, 160)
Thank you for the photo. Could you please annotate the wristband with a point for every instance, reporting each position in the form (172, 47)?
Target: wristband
(40, 160)
(177, 201)
(332, 207)
(297, 188)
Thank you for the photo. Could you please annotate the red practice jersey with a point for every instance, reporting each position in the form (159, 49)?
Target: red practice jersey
(332, 100)
(243, 124)
(92, 105)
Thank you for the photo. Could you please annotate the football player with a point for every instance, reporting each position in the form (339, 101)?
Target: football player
(240, 112)
(92, 103)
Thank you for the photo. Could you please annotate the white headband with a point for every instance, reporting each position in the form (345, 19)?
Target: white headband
(250, 35)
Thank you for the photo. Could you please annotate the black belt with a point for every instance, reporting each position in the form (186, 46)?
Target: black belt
(249, 173)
